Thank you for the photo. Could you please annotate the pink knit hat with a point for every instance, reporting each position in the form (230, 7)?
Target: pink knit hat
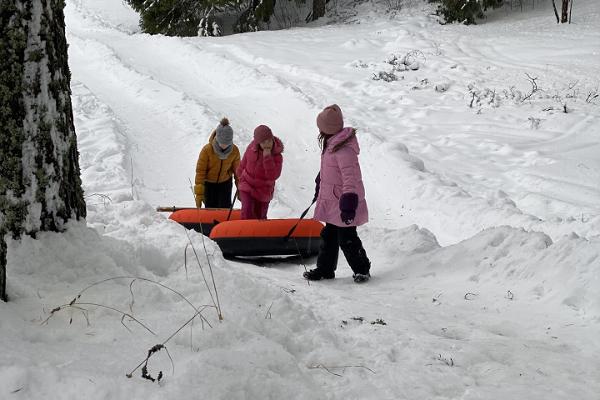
(262, 133)
(330, 120)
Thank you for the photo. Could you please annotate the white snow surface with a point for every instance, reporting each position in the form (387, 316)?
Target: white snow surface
(485, 215)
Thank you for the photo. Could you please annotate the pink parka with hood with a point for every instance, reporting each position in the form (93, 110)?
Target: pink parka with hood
(340, 173)
(258, 173)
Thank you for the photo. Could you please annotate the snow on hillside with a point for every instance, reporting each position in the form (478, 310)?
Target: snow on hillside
(484, 204)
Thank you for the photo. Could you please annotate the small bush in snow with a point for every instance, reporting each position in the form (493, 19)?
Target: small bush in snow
(411, 61)
(359, 64)
(592, 96)
(385, 76)
(442, 87)
(423, 83)
(483, 97)
(549, 100)
(535, 122)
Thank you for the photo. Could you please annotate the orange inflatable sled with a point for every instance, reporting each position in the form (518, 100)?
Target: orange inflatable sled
(255, 237)
(204, 219)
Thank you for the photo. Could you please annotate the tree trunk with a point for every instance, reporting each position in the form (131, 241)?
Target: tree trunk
(555, 12)
(3, 296)
(318, 9)
(564, 16)
(40, 185)
(571, 10)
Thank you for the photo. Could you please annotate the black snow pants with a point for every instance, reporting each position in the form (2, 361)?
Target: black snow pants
(217, 195)
(334, 238)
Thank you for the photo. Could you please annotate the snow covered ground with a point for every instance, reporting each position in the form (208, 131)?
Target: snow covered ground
(484, 203)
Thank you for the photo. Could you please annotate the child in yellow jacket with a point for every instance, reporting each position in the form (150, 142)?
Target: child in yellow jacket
(215, 169)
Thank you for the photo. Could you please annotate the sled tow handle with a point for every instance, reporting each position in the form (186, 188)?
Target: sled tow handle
(286, 238)
(232, 203)
(171, 209)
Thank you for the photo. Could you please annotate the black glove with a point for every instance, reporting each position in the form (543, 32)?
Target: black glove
(348, 205)
(317, 186)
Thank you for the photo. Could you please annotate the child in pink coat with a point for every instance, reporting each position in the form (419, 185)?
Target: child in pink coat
(259, 169)
(340, 197)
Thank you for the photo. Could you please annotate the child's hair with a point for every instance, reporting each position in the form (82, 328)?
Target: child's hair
(224, 121)
(323, 138)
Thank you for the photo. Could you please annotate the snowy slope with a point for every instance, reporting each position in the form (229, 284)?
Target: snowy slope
(484, 231)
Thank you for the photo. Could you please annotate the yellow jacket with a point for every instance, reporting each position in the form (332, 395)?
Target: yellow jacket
(210, 168)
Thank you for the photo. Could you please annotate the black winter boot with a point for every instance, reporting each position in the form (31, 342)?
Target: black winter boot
(361, 278)
(318, 274)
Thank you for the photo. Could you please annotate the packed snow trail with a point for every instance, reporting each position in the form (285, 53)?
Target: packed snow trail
(485, 168)
(452, 310)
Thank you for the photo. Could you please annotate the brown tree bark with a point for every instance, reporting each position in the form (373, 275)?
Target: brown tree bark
(318, 10)
(3, 296)
(40, 185)
(564, 17)
(555, 12)
(570, 10)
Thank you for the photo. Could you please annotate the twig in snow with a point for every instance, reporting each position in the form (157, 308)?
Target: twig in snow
(123, 314)
(437, 48)
(185, 260)
(217, 302)
(268, 313)
(470, 296)
(448, 361)
(343, 367)
(472, 100)
(574, 93)
(143, 280)
(378, 321)
(534, 87)
(132, 296)
(592, 95)
(301, 260)
(105, 198)
(325, 368)
(132, 179)
(162, 345)
(535, 122)
(84, 312)
(153, 350)
(76, 305)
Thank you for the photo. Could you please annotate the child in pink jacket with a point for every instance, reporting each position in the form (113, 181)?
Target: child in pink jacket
(340, 197)
(259, 169)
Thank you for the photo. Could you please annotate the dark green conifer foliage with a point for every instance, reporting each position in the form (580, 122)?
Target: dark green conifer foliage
(170, 17)
(201, 17)
(466, 11)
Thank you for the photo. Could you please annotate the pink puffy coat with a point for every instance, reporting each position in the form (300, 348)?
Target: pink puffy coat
(258, 173)
(340, 173)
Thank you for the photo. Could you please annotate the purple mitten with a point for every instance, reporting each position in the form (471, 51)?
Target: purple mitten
(348, 204)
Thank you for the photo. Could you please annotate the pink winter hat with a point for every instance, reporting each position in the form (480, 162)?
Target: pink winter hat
(330, 120)
(262, 132)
